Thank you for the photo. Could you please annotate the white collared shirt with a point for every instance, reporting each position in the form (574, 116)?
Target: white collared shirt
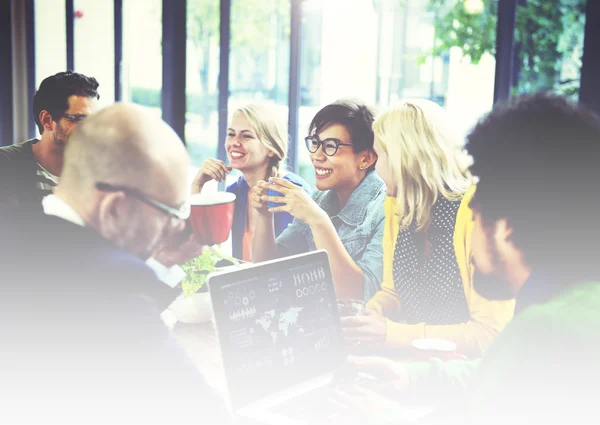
(53, 205)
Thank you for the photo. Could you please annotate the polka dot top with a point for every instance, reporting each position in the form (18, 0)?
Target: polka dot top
(426, 274)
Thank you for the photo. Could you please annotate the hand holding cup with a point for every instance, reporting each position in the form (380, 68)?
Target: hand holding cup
(256, 198)
(294, 200)
(368, 328)
(179, 247)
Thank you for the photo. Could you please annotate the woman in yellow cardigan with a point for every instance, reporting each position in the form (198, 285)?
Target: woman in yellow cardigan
(427, 289)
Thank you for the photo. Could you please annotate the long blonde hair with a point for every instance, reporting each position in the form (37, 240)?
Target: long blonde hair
(270, 133)
(426, 158)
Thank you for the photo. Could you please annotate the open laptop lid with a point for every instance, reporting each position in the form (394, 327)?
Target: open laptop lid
(278, 325)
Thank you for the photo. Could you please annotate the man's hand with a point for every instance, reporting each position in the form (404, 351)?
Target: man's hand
(376, 396)
(179, 247)
(380, 368)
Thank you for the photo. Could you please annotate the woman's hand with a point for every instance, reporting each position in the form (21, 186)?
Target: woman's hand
(211, 169)
(295, 201)
(368, 329)
(255, 196)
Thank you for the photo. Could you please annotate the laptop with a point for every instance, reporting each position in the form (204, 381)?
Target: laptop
(280, 337)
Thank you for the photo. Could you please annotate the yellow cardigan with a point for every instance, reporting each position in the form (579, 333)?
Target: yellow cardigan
(487, 317)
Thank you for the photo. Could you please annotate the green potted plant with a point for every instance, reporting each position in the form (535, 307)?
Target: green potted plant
(193, 305)
(197, 270)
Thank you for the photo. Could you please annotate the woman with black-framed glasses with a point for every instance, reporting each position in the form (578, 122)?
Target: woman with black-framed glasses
(345, 214)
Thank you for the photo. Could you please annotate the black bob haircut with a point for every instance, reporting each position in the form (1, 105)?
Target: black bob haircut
(356, 116)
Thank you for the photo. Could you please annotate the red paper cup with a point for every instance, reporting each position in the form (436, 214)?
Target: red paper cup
(212, 216)
(427, 348)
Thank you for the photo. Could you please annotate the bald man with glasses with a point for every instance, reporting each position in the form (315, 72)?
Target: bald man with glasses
(82, 304)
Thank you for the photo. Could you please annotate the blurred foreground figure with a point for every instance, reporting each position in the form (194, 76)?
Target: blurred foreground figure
(536, 239)
(82, 340)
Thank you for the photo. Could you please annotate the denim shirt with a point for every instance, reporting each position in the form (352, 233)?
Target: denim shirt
(359, 226)
(240, 189)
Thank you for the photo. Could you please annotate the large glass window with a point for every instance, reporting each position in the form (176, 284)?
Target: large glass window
(202, 91)
(382, 51)
(141, 70)
(259, 65)
(338, 60)
(455, 56)
(549, 46)
(94, 39)
(50, 39)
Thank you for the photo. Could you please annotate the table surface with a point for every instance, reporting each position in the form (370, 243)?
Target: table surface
(200, 343)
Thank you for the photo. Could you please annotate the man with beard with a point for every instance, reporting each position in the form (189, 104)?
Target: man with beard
(535, 239)
(31, 169)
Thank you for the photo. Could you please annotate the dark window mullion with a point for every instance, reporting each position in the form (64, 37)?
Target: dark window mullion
(174, 64)
(118, 27)
(294, 86)
(6, 72)
(224, 49)
(30, 34)
(589, 89)
(505, 36)
(70, 22)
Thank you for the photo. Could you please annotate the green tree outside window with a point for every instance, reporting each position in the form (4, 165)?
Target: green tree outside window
(548, 39)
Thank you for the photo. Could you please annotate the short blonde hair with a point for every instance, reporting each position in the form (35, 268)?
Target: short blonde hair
(270, 132)
(426, 158)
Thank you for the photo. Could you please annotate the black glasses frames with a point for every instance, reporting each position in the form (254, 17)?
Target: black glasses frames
(74, 118)
(181, 213)
(330, 146)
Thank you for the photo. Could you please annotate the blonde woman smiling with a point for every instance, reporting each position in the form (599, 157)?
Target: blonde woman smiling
(256, 145)
(427, 283)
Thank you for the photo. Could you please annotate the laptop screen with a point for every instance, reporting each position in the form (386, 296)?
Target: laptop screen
(278, 325)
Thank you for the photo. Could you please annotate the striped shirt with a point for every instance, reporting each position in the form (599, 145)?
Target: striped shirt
(46, 181)
(23, 182)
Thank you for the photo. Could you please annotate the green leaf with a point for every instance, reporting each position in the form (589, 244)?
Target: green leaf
(548, 39)
(193, 286)
(197, 269)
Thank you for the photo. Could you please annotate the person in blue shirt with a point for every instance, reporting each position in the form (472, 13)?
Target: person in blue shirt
(256, 146)
(345, 216)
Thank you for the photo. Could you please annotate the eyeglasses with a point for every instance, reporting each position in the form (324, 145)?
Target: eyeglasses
(74, 118)
(176, 214)
(330, 146)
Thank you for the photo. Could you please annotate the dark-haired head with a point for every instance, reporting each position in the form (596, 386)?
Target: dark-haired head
(538, 161)
(355, 115)
(54, 92)
(340, 145)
